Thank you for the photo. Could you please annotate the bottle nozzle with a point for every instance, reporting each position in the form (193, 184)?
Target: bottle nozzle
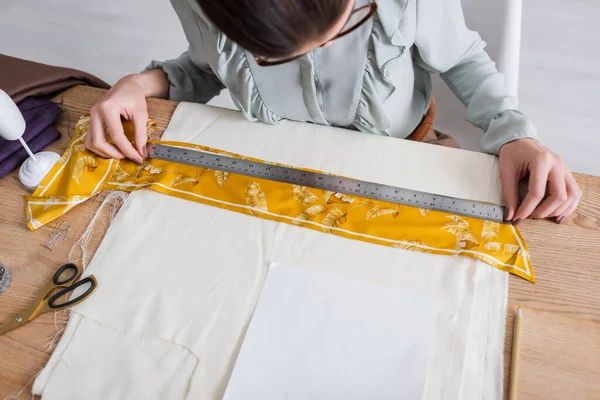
(28, 149)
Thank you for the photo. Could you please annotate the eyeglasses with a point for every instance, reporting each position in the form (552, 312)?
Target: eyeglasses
(358, 17)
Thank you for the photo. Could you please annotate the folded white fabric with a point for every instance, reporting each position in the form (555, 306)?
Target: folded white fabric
(184, 278)
(116, 365)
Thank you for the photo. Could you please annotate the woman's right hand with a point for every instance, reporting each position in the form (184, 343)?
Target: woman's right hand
(126, 99)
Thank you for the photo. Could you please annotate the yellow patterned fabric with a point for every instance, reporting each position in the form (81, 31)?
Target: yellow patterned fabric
(81, 174)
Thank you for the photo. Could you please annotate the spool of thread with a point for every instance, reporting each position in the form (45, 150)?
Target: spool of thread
(5, 277)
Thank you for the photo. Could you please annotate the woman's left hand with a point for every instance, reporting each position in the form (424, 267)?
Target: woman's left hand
(547, 174)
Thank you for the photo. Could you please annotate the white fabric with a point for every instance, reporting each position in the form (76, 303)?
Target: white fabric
(316, 334)
(130, 363)
(190, 274)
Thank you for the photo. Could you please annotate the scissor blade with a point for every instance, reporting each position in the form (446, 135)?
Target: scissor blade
(16, 321)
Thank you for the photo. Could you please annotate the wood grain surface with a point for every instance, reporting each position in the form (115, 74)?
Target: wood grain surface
(566, 258)
(24, 352)
(559, 357)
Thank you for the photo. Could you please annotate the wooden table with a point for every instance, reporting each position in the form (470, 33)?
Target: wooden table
(566, 258)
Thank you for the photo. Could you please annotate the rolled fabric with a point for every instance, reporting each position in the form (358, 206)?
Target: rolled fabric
(39, 116)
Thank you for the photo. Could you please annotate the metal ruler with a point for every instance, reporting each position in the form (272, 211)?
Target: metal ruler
(375, 191)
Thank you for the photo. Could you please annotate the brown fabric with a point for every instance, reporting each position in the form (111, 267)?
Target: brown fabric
(425, 132)
(426, 124)
(440, 139)
(21, 78)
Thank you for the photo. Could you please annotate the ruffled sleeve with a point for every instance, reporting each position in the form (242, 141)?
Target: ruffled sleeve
(190, 75)
(187, 80)
(233, 68)
(213, 62)
(447, 46)
(225, 60)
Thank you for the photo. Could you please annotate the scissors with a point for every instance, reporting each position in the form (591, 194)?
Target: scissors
(64, 279)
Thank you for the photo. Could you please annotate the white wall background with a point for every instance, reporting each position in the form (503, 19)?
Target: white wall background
(499, 24)
(559, 81)
(559, 74)
(560, 77)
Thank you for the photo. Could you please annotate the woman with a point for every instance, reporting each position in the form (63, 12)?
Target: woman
(362, 65)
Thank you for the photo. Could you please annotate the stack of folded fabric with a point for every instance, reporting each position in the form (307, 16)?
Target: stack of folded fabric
(30, 84)
(39, 116)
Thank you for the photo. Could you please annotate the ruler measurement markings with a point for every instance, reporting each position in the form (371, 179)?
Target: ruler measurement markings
(348, 186)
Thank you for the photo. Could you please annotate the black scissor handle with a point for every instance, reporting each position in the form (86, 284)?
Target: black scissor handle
(90, 279)
(70, 278)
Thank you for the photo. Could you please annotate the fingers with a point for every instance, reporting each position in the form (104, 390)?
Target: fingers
(538, 176)
(569, 181)
(557, 198)
(574, 194)
(115, 130)
(546, 170)
(96, 139)
(510, 189)
(568, 212)
(564, 193)
(140, 134)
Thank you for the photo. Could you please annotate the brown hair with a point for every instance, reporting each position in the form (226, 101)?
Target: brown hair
(273, 28)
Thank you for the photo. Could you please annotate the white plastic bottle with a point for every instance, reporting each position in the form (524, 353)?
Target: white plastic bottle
(12, 127)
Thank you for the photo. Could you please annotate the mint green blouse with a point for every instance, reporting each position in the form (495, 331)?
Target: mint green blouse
(375, 80)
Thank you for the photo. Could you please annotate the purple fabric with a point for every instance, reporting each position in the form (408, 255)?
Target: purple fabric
(39, 116)
(38, 143)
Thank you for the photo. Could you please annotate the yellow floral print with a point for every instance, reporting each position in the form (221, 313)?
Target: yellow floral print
(463, 232)
(80, 174)
(414, 245)
(334, 219)
(309, 214)
(333, 197)
(221, 177)
(490, 230)
(378, 211)
(83, 163)
(303, 195)
(182, 180)
(255, 197)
